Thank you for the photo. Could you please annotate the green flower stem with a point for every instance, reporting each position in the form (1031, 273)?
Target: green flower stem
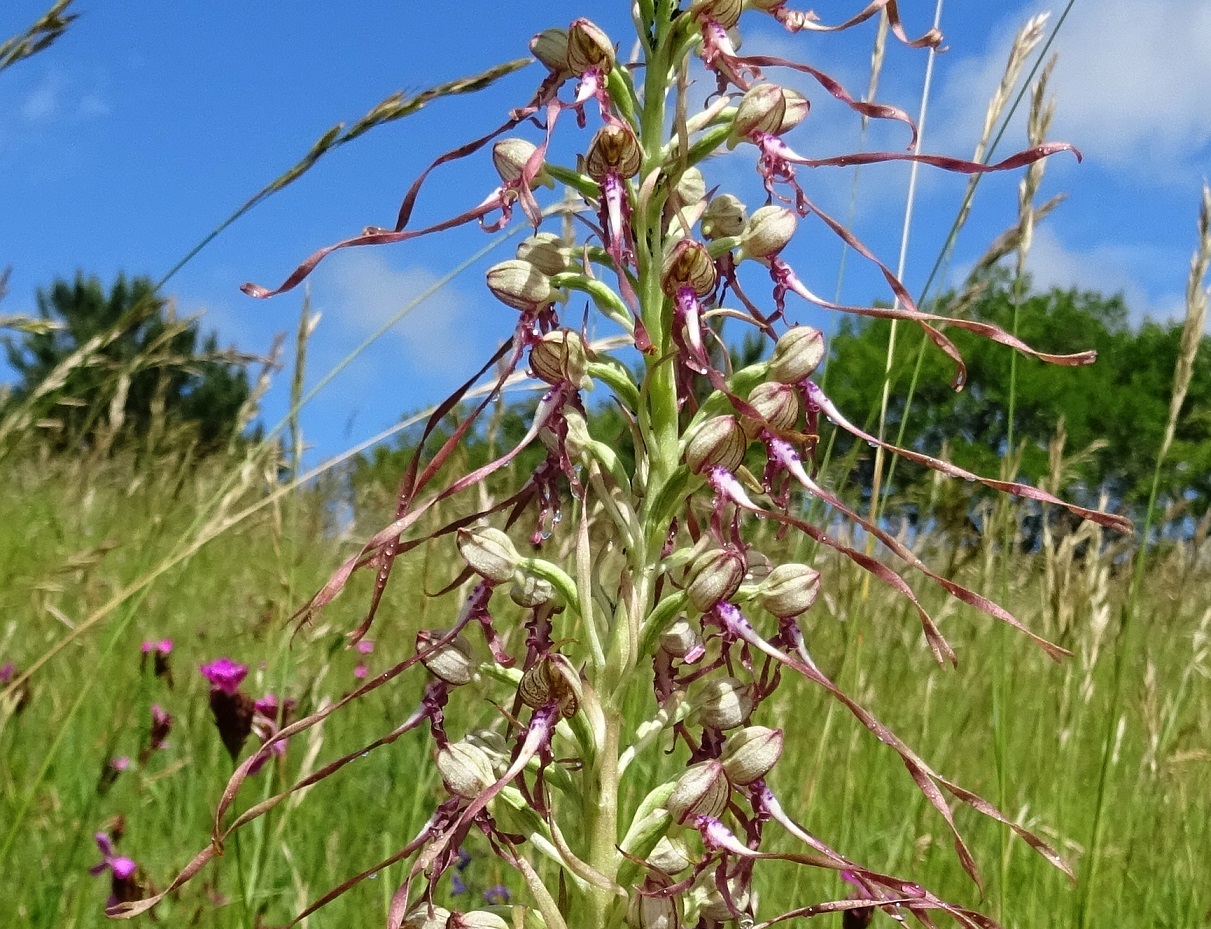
(601, 815)
(658, 455)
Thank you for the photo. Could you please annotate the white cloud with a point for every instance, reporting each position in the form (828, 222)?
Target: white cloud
(1133, 79)
(363, 291)
(57, 97)
(94, 105)
(1131, 85)
(45, 101)
(1108, 268)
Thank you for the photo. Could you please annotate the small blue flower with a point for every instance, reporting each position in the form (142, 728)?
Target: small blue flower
(497, 895)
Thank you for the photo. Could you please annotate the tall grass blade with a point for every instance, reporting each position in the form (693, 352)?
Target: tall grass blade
(394, 107)
(44, 31)
(1192, 335)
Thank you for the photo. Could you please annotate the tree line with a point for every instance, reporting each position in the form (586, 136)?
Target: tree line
(1110, 415)
(1087, 433)
(107, 367)
(111, 365)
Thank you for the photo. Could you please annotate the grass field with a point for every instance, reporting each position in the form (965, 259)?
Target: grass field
(78, 538)
(107, 558)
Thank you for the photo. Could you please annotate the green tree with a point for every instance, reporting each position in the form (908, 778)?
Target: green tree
(1120, 403)
(119, 364)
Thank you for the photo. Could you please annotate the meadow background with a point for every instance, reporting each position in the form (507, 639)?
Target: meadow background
(147, 495)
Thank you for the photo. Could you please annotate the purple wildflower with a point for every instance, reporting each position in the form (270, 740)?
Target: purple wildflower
(224, 674)
(233, 710)
(277, 750)
(860, 917)
(267, 706)
(364, 647)
(20, 696)
(161, 647)
(124, 882)
(157, 736)
(268, 714)
(161, 723)
(110, 771)
(497, 895)
(159, 650)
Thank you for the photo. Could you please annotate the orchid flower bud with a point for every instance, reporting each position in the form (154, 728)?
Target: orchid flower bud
(531, 591)
(519, 284)
(724, 12)
(465, 769)
(451, 662)
(686, 204)
(670, 856)
(510, 156)
(767, 232)
(724, 217)
(778, 406)
(614, 150)
(547, 252)
(715, 575)
(551, 678)
(690, 187)
(650, 912)
(797, 354)
(789, 590)
(479, 919)
(551, 48)
(492, 744)
(688, 264)
(711, 903)
(797, 108)
(577, 436)
(719, 442)
(759, 564)
(702, 790)
(723, 703)
(680, 638)
(424, 916)
(750, 754)
(489, 553)
(589, 48)
(761, 110)
(560, 357)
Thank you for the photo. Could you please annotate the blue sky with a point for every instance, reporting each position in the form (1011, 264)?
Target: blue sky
(148, 123)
